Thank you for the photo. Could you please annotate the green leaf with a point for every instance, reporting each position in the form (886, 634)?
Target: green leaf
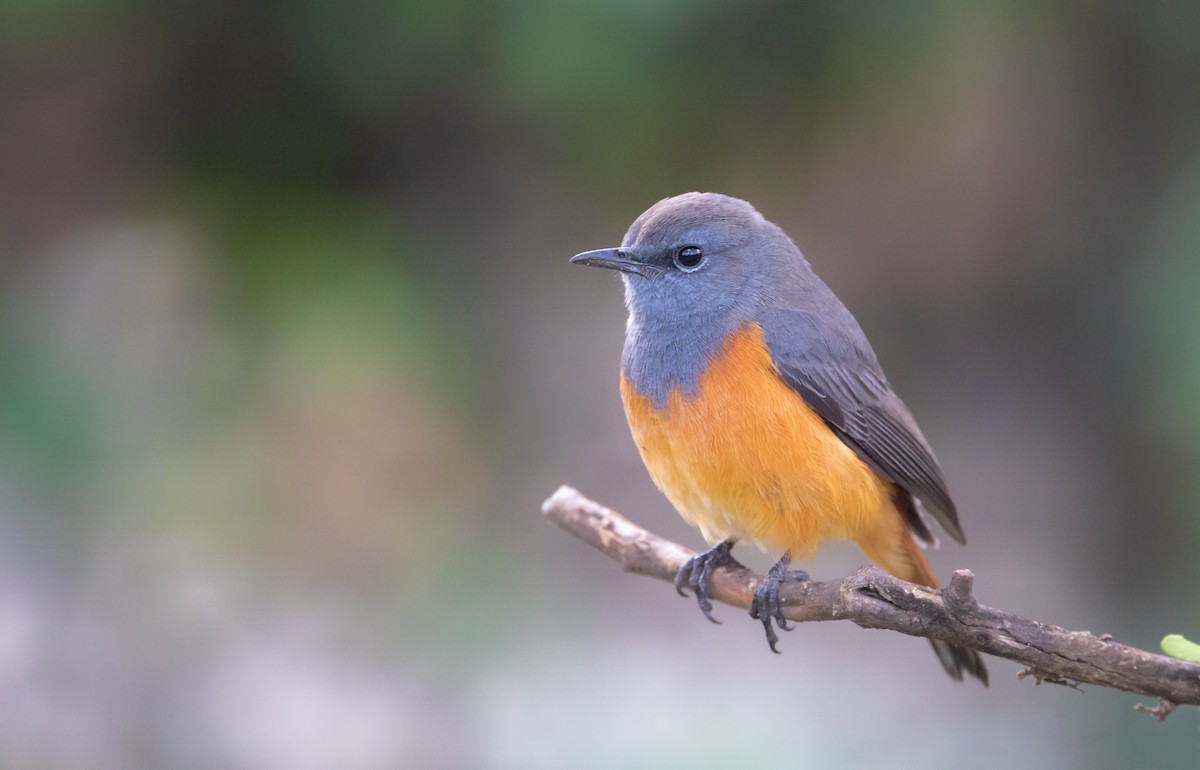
(1178, 647)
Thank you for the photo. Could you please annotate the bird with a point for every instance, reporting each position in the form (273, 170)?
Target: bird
(760, 409)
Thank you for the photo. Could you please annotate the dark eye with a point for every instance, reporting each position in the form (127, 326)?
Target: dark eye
(689, 257)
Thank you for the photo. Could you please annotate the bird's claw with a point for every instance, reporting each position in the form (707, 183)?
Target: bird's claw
(766, 605)
(697, 571)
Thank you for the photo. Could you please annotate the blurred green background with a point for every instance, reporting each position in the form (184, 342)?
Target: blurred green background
(290, 354)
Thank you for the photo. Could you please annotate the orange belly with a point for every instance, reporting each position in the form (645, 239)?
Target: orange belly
(745, 457)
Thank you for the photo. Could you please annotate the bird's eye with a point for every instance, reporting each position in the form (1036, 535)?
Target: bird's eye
(689, 257)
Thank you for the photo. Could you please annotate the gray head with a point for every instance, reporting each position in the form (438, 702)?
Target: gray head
(695, 268)
(699, 254)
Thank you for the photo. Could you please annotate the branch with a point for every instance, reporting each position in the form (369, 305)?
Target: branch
(872, 598)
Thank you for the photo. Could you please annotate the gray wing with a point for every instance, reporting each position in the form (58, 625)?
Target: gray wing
(832, 367)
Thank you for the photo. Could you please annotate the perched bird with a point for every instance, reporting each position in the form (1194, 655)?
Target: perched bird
(759, 408)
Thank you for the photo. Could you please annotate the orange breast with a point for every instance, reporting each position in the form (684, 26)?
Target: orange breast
(745, 457)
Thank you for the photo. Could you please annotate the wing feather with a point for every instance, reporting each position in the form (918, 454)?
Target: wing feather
(832, 367)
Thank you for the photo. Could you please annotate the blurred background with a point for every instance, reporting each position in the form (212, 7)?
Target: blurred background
(290, 355)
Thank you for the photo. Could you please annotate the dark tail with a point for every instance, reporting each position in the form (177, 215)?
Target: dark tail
(955, 659)
(959, 660)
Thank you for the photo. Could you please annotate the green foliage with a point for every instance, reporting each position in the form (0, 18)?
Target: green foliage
(1177, 646)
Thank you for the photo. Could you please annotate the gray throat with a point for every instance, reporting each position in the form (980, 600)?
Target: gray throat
(665, 354)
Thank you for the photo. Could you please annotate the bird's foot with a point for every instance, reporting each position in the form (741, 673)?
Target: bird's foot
(696, 571)
(766, 605)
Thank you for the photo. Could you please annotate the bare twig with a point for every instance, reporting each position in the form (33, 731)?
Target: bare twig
(874, 599)
(1160, 711)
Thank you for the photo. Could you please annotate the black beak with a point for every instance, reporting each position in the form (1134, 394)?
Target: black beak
(613, 259)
